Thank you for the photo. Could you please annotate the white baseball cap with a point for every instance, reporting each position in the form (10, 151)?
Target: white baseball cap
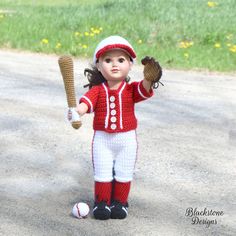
(113, 42)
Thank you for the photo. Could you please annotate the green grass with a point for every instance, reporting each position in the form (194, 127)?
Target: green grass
(153, 27)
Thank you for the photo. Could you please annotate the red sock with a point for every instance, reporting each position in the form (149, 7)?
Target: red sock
(103, 192)
(121, 191)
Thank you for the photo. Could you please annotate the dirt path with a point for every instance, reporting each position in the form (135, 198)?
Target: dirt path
(187, 150)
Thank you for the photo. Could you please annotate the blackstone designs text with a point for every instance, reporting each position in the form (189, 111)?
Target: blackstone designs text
(204, 216)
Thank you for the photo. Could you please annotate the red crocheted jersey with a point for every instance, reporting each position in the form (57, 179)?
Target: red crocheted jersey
(114, 109)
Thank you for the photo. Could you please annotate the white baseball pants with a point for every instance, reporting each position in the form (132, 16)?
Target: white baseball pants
(118, 150)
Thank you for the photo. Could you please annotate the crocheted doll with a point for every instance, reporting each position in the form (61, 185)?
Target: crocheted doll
(112, 99)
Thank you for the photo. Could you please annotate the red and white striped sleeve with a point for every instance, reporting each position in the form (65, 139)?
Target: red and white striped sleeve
(90, 98)
(140, 93)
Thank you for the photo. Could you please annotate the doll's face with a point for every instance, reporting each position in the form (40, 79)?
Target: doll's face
(114, 65)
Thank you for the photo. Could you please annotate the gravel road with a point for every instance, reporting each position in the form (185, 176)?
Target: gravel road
(184, 182)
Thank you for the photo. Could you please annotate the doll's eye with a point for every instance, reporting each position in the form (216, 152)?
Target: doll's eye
(107, 60)
(121, 60)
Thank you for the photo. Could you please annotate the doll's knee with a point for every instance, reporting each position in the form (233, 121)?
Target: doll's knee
(123, 177)
(102, 178)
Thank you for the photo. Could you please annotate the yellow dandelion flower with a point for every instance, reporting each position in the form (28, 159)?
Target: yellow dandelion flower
(92, 29)
(84, 46)
(191, 43)
(212, 4)
(96, 31)
(91, 34)
(77, 33)
(44, 41)
(186, 55)
(182, 45)
(228, 44)
(86, 33)
(58, 45)
(217, 45)
(140, 41)
(186, 44)
(233, 49)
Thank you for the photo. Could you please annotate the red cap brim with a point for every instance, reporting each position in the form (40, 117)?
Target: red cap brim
(128, 49)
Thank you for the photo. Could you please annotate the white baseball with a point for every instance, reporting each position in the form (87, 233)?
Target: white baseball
(80, 210)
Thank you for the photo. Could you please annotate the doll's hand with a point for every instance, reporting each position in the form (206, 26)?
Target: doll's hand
(152, 70)
(74, 118)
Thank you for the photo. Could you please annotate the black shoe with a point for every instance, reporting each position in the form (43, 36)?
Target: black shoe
(119, 210)
(101, 211)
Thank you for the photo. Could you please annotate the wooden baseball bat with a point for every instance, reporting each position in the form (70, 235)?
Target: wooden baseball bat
(67, 71)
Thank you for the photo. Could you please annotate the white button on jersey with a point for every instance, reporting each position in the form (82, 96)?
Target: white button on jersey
(112, 105)
(113, 119)
(112, 98)
(113, 126)
(113, 112)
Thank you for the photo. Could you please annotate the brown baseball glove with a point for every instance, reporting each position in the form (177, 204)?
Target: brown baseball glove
(152, 71)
